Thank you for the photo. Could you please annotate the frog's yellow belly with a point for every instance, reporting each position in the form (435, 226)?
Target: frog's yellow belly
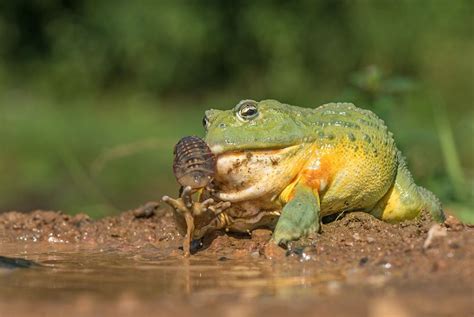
(349, 178)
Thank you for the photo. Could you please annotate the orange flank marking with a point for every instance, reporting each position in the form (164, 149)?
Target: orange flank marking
(318, 171)
(317, 174)
(312, 179)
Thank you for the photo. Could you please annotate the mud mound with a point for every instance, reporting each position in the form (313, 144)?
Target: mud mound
(147, 224)
(356, 238)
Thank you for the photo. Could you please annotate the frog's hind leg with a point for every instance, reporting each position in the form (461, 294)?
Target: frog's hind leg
(299, 217)
(405, 200)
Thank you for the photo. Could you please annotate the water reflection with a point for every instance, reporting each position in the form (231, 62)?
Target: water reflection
(146, 274)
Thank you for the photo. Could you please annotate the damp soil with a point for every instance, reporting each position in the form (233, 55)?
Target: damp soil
(54, 264)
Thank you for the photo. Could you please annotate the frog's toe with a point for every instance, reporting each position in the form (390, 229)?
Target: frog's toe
(284, 234)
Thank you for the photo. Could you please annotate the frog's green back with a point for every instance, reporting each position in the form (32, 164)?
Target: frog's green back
(336, 123)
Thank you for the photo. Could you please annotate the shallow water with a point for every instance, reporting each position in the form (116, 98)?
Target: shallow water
(66, 272)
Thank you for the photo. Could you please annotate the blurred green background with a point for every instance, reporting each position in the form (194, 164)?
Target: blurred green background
(94, 94)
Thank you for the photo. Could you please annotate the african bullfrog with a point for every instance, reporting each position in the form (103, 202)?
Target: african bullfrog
(285, 167)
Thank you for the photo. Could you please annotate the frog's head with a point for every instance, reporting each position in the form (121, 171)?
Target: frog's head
(253, 125)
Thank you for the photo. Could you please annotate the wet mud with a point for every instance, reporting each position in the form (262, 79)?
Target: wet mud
(133, 264)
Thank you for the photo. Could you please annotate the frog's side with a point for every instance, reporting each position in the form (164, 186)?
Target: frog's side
(288, 166)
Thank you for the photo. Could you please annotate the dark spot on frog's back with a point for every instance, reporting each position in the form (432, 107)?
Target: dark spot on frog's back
(364, 122)
(367, 138)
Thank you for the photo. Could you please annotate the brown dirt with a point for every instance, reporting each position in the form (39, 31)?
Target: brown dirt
(357, 266)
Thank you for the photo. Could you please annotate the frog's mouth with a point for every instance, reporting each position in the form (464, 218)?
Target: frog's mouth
(219, 150)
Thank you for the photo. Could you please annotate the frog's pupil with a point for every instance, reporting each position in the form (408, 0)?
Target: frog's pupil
(205, 121)
(249, 111)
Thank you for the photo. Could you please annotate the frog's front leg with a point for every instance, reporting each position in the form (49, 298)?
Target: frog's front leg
(188, 208)
(299, 217)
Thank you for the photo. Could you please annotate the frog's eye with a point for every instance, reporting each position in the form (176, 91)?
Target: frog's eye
(247, 110)
(205, 122)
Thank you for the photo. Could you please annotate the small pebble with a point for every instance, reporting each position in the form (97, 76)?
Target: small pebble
(273, 251)
(387, 266)
(370, 240)
(453, 223)
(146, 211)
(255, 254)
(436, 231)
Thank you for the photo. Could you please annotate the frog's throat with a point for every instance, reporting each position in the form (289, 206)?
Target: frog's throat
(262, 188)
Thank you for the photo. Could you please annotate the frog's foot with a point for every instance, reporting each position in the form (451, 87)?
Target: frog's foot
(189, 209)
(299, 217)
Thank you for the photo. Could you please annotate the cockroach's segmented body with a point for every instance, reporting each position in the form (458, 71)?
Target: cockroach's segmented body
(194, 164)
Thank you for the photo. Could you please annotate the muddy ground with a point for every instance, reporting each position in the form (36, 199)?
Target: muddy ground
(132, 264)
